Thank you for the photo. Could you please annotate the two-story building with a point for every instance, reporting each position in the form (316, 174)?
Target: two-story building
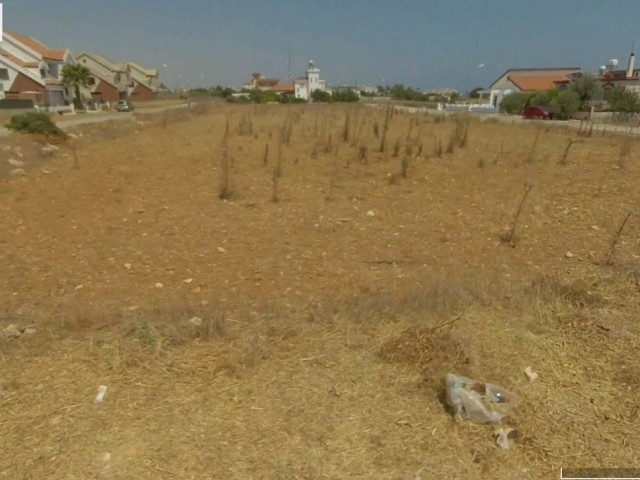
(108, 81)
(143, 82)
(29, 70)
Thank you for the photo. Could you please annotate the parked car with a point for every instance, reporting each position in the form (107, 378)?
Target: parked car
(124, 106)
(536, 113)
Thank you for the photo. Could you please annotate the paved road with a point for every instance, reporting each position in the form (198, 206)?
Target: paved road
(67, 122)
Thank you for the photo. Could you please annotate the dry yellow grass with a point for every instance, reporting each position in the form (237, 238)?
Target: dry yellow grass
(326, 330)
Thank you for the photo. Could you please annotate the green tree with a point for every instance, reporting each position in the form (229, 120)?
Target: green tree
(514, 102)
(76, 76)
(345, 95)
(540, 98)
(475, 93)
(623, 101)
(587, 88)
(320, 96)
(565, 104)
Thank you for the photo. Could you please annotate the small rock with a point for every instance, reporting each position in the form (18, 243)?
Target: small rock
(568, 255)
(49, 148)
(197, 321)
(18, 172)
(15, 163)
(530, 374)
(222, 250)
(371, 213)
(105, 462)
(159, 285)
(11, 331)
(127, 266)
(29, 331)
(595, 227)
(79, 287)
(188, 280)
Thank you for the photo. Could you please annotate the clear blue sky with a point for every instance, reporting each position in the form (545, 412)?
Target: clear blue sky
(421, 43)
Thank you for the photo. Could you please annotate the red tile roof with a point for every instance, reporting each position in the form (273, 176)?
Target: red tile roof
(535, 83)
(283, 88)
(13, 58)
(42, 50)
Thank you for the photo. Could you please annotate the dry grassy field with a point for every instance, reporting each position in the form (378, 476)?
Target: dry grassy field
(274, 292)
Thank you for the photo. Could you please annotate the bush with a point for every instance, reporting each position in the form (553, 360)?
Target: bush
(345, 95)
(36, 123)
(320, 96)
(290, 99)
(514, 102)
(623, 101)
(540, 98)
(565, 105)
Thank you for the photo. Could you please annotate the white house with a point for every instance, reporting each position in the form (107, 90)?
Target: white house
(305, 86)
(30, 70)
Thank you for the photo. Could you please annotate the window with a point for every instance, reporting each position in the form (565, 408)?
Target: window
(91, 81)
(117, 78)
(4, 74)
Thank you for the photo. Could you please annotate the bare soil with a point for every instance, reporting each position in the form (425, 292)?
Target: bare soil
(309, 337)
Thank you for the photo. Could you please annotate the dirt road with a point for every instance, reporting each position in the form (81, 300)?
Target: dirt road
(67, 122)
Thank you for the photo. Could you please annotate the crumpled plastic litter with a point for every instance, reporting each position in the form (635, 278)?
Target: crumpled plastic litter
(503, 435)
(480, 402)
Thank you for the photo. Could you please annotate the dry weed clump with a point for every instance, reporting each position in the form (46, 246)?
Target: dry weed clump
(460, 135)
(432, 352)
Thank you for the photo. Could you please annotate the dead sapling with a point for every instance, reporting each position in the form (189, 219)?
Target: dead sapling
(362, 154)
(275, 180)
(376, 129)
(509, 237)
(224, 192)
(265, 157)
(347, 128)
(385, 128)
(437, 147)
(404, 166)
(625, 150)
(396, 148)
(333, 176)
(616, 237)
(563, 159)
(531, 156)
(76, 162)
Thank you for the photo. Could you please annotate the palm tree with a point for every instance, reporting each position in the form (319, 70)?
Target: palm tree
(76, 76)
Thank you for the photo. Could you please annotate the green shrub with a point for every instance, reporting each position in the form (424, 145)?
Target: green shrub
(320, 96)
(345, 95)
(36, 123)
(514, 102)
(564, 105)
